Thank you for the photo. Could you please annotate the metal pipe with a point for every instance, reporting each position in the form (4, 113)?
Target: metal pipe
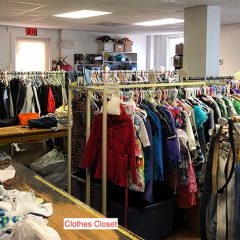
(69, 140)
(88, 124)
(129, 86)
(104, 154)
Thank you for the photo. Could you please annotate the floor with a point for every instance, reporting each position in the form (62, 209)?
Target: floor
(184, 234)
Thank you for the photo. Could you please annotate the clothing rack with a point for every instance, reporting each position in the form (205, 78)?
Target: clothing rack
(51, 77)
(31, 72)
(211, 78)
(104, 91)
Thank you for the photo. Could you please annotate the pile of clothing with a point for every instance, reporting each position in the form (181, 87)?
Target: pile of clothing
(23, 216)
(7, 172)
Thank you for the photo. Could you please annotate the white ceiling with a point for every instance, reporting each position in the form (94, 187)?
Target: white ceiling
(39, 13)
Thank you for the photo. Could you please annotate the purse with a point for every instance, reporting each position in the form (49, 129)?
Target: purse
(25, 117)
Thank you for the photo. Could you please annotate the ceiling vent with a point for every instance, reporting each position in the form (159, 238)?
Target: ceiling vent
(110, 24)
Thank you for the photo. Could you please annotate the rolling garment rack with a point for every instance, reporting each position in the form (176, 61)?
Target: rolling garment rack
(104, 90)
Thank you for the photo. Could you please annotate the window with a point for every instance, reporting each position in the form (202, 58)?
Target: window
(172, 42)
(32, 54)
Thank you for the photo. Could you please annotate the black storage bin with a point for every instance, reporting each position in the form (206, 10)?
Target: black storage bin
(79, 190)
(152, 222)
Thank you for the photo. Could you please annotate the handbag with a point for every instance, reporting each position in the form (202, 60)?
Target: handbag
(25, 117)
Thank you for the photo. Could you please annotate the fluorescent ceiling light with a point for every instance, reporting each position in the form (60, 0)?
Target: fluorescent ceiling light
(159, 22)
(82, 14)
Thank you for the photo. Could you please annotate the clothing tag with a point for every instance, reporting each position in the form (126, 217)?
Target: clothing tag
(80, 80)
(152, 77)
(112, 87)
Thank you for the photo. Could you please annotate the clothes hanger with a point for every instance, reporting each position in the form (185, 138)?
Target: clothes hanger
(93, 99)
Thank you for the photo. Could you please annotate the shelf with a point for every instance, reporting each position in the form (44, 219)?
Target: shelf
(90, 64)
(121, 52)
(119, 62)
(99, 64)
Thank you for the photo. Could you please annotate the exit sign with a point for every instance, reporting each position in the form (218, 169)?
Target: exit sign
(31, 31)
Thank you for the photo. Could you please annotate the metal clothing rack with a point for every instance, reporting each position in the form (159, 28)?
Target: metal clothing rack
(104, 91)
(211, 78)
(49, 73)
(33, 76)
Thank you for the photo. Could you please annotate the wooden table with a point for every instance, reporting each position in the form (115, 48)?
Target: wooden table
(18, 134)
(65, 206)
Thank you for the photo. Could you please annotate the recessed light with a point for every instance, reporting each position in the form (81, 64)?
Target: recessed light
(159, 22)
(82, 14)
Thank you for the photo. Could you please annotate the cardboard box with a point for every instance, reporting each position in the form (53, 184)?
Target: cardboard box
(179, 49)
(178, 61)
(29, 152)
(128, 47)
(118, 47)
(107, 47)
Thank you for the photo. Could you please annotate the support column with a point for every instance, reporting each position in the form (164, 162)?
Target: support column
(202, 40)
(150, 53)
(160, 51)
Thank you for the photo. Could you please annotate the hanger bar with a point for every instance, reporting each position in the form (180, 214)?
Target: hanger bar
(209, 78)
(32, 72)
(129, 86)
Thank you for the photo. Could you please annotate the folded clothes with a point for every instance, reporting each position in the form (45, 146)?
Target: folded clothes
(9, 122)
(4, 159)
(7, 173)
(45, 210)
(44, 122)
(9, 182)
(4, 156)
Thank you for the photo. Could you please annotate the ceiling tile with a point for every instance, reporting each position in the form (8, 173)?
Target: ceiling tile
(124, 12)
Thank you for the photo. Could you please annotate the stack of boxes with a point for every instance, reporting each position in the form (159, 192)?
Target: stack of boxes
(122, 45)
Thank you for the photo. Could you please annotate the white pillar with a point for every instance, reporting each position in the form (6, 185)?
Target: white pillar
(150, 52)
(160, 51)
(202, 40)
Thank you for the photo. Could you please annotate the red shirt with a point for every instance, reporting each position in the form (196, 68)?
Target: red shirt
(120, 148)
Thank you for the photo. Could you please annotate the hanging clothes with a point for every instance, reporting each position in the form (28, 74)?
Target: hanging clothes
(120, 148)
(30, 93)
(3, 112)
(148, 156)
(18, 92)
(51, 107)
(28, 105)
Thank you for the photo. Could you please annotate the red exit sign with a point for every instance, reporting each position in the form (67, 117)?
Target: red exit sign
(31, 31)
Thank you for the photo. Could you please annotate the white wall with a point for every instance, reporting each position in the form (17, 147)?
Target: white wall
(84, 42)
(8, 36)
(5, 48)
(230, 49)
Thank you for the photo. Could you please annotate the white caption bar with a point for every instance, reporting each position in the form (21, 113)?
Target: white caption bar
(90, 223)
